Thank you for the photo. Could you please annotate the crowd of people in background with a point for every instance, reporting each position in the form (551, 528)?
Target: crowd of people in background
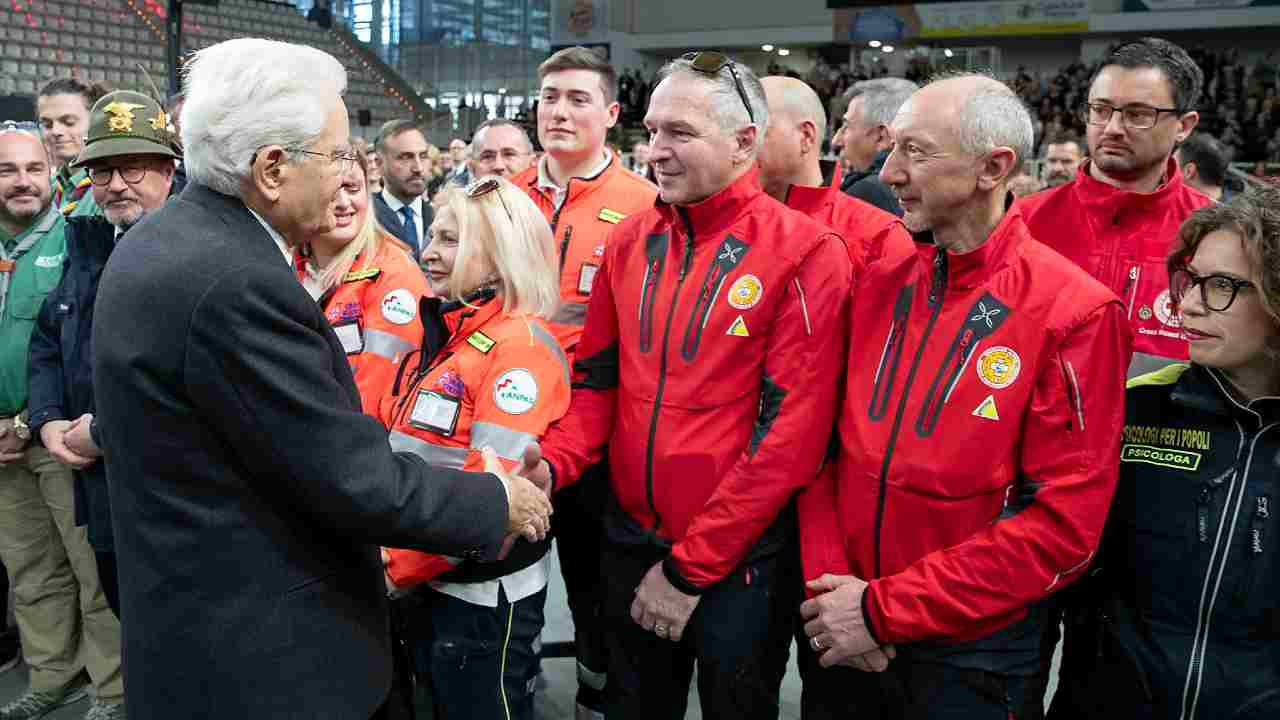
(288, 419)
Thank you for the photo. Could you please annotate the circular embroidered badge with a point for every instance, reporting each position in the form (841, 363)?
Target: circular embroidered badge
(998, 367)
(745, 292)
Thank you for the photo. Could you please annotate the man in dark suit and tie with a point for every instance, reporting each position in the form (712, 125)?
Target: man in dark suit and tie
(248, 491)
(402, 207)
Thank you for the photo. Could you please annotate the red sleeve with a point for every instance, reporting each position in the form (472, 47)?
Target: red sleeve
(802, 371)
(1045, 538)
(821, 540)
(578, 440)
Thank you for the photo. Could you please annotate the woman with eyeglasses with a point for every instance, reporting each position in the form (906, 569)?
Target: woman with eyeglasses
(367, 285)
(1180, 618)
(489, 374)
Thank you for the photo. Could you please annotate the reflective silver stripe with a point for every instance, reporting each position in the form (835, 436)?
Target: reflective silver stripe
(1143, 363)
(508, 443)
(385, 344)
(434, 454)
(554, 345)
(571, 314)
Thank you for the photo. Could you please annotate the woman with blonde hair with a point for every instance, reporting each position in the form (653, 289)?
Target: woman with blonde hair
(368, 287)
(489, 374)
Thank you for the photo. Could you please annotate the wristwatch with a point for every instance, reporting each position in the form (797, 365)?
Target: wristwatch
(20, 426)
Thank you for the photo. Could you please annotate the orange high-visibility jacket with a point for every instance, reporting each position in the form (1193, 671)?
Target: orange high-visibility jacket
(374, 313)
(498, 381)
(581, 226)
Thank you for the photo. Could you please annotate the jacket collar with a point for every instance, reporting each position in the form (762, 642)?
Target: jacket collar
(1108, 200)
(707, 218)
(971, 269)
(462, 320)
(575, 187)
(813, 200)
(90, 240)
(1205, 390)
(877, 164)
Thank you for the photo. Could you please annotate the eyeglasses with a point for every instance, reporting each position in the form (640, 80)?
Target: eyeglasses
(1135, 117)
(484, 186)
(101, 176)
(1217, 292)
(711, 62)
(343, 160)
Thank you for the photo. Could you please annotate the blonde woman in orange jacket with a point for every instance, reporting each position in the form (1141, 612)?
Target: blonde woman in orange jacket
(367, 285)
(489, 373)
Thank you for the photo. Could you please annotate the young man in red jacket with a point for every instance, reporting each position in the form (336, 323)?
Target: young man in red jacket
(1119, 217)
(709, 366)
(793, 172)
(584, 192)
(978, 440)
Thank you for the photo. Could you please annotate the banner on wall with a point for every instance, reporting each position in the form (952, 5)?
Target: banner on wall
(1160, 5)
(962, 19)
(579, 22)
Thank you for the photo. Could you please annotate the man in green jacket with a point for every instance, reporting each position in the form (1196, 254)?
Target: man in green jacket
(58, 600)
(63, 108)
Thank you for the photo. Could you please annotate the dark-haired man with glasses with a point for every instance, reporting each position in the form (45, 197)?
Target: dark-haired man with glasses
(1117, 218)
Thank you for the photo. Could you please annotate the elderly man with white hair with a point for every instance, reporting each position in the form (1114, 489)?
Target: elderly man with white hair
(708, 367)
(979, 439)
(248, 490)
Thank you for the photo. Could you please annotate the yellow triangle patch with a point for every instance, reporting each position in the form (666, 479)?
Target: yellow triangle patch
(738, 328)
(987, 409)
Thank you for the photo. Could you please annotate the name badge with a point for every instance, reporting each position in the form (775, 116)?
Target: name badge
(435, 412)
(586, 277)
(350, 336)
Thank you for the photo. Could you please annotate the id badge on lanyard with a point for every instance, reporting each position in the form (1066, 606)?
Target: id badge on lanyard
(435, 412)
(586, 277)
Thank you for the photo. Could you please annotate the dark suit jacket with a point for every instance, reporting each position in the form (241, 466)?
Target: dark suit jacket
(390, 220)
(867, 187)
(248, 491)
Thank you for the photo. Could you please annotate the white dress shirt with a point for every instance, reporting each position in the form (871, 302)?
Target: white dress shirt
(394, 203)
(280, 243)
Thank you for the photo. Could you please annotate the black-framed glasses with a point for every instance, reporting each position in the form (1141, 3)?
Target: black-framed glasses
(101, 176)
(711, 62)
(344, 160)
(484, 186)
(1135, 117)
(1217, 292)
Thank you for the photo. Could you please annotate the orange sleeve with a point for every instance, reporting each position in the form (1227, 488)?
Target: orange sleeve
(392, 328)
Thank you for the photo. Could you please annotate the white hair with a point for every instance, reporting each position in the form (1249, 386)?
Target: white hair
(726, 105)
(247, 93)
(881, 98)
(993, 116)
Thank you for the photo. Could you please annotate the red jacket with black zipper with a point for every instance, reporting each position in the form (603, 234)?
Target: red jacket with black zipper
(711, 353)
(1123, 239)
(979, 443)
(869, 231)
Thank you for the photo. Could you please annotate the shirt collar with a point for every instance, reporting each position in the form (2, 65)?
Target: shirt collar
(544, 177)
(280, 243)
(394, 203)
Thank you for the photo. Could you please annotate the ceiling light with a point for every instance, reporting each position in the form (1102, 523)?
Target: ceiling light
(875, 43)
(887, 48)
(767, 48)
(784, 52)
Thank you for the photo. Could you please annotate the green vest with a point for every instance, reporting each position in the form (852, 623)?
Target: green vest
(36, 274)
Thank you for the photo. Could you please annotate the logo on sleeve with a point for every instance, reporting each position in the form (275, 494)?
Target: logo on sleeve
(515, 392)
(1166, 312)
(399, 307)
(745, 292)
(998, 367)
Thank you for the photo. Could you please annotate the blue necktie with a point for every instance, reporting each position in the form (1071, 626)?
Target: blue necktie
(410, 228)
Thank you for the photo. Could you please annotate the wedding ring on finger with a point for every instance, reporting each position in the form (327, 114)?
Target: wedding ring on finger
(660, 630)
(816, 643)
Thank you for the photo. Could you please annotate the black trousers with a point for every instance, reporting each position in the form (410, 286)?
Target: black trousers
(914, 690)
(577, 526)
(109, 577)
(739, 636)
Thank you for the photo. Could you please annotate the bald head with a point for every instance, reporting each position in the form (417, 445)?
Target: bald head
(792, 148)
(793, 99)
(980, 112)
(24, 181)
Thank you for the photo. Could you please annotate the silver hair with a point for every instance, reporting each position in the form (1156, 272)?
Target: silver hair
(994, 116)
(247, 93)
(882, 98)
(726, 104)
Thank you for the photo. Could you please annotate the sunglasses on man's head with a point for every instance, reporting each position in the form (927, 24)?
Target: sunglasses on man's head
(711, 62)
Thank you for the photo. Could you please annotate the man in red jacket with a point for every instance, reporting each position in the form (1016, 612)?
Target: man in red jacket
(1119, 216)
(793, 172)
(709, 366)
(978, 439)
